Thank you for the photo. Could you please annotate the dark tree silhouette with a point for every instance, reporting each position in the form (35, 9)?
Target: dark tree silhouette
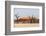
(35, 20)
(16, 15)
(30, 19)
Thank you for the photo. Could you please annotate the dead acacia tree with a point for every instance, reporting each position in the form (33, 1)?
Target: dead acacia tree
(16, 15)
(33, 20)
(29, 19)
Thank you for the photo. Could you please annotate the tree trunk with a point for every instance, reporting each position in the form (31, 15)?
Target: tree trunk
(17, 20)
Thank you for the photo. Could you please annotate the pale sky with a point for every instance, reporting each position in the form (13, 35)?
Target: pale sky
(26, 12)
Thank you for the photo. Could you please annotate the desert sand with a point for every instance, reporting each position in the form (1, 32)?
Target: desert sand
(27, 25)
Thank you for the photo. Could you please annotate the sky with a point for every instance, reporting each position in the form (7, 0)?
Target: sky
(26, 12)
